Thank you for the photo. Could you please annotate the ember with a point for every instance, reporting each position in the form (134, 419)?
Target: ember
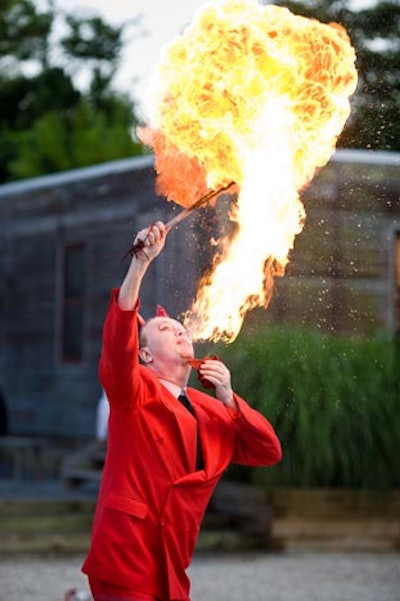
(254, 95)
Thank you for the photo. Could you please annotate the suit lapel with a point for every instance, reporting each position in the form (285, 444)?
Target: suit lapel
(186, 429)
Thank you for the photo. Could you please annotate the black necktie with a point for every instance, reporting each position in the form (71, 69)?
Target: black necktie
(199, 455)
(186, 403)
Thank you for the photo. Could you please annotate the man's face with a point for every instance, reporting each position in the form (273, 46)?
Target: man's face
(165, 341)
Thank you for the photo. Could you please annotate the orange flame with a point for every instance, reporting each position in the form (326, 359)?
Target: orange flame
(256, 95)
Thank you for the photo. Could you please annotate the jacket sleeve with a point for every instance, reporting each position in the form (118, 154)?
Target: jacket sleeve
(119, 361)
(257, 443)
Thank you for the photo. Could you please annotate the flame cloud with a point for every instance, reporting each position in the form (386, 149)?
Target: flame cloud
(253, 94)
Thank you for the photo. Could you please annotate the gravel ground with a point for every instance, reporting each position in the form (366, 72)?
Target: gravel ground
(248, 577)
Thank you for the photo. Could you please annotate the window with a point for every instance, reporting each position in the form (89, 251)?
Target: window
(397, 282)
(73, 302)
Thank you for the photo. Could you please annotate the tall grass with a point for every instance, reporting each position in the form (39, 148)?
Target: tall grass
(334, 402)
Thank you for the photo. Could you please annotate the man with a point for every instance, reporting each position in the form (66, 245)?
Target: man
(163, 459)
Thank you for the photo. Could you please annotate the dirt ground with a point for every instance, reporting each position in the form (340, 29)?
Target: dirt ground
(296, 576)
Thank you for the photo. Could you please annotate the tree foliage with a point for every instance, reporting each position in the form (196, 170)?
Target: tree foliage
(375, 35)
(47, 122)
(24, 33)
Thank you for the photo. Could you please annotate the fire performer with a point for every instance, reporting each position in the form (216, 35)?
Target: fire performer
(165, 454)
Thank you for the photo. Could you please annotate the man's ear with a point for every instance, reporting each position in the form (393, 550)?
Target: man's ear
(145, 354)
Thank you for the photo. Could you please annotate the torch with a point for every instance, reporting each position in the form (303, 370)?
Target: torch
(203, 200)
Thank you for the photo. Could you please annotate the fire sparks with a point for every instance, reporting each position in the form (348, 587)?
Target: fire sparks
(256, 95)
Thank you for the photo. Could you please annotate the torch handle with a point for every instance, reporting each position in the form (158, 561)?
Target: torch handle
(135, 248)
(169, 225)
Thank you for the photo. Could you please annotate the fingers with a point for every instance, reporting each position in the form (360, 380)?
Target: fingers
(156, 233)
(151, 235)
(216, 372)
(150, 240)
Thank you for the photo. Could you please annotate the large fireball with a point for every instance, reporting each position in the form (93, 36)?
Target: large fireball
(255, 95)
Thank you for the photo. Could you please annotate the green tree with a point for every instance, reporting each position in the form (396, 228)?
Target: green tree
(24, 32)
(47, 123)
(375, 35)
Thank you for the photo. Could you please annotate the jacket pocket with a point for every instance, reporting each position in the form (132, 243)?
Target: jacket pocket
(127, 505)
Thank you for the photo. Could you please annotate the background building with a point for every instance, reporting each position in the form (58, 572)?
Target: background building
(63, 237)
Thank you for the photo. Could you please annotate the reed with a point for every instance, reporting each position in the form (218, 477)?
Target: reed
(333, 400)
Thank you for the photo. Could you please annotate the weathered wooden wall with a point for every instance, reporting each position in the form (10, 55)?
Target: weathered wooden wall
(341, 274)
(103, 208)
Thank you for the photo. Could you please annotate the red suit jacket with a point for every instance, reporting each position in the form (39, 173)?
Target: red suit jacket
(151, 500)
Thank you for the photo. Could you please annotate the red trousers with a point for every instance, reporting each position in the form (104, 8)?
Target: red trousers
(106, 591)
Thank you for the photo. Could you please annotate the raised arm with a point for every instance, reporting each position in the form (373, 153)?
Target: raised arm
(153, 238)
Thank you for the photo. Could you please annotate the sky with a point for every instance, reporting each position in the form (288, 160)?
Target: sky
(160, 22)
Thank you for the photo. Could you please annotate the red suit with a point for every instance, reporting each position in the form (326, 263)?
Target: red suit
(151, 500)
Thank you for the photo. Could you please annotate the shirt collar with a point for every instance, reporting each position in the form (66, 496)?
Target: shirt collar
(174, 389)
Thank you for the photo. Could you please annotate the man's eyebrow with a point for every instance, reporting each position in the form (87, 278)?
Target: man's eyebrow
(163, 322)
(173, 323)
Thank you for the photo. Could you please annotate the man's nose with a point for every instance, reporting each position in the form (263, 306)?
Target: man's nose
(181, 333)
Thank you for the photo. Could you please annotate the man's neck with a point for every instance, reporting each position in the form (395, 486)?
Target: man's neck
(177, 376)
(174, 388)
